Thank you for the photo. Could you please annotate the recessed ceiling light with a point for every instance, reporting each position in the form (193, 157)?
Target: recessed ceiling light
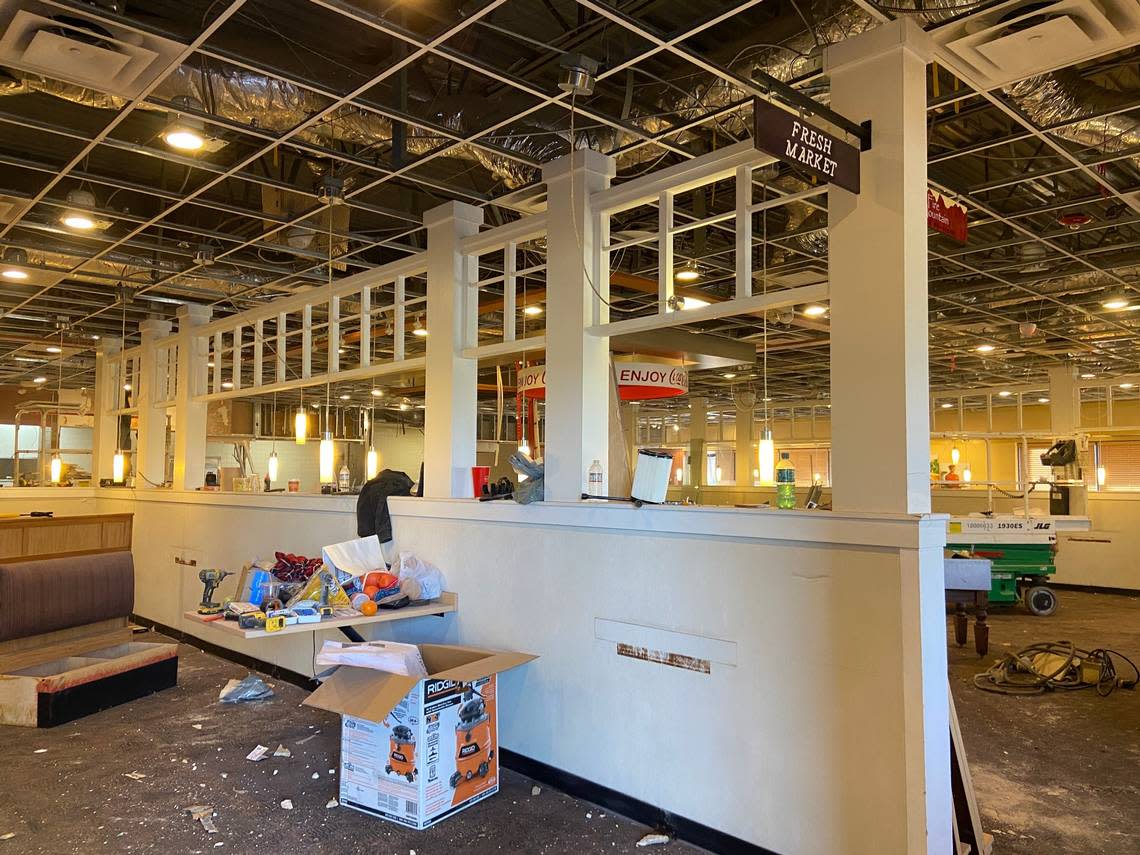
(1004, 393)
(947, 406)
(984, 348)
(1116, 302)
(14, 259)
(53, 349)
(1125, 385)
(39, 380)
(815, 310)
(13, 273)
(74, 216)
(345, 397)
(1042, 400)
(376, 393)
(532, 310)
(227, 384)
(78, 221)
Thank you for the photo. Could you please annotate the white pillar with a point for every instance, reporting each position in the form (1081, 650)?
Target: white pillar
(451, 378)
(1064, 403)
(190, 415)
(880, 418)
(577, 363)
(105, 436)
(880, 447)
(150, 455)
(698, 430)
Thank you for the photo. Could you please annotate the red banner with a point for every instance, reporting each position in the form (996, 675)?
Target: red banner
(945, 216)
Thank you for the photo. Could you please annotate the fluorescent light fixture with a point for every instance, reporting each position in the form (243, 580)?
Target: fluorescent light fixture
(328, 476)
(1004, 393)
(1087, 376)
(272, 466)
(118, 467)
(815, 310)
(39, 380)
(985, 348)
(56, 468)
(345, 397)
(377, 393)
(13, 273)
(1125, 385)
(688, 273)
(53, 349)
(1042, 400)
(27, 359)
(1116, 302)
(728, 375)
(532, 310)
(300, 426)
(372, 464)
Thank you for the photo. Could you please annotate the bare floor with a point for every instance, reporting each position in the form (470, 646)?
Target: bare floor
(1055, 773)
(67, 790)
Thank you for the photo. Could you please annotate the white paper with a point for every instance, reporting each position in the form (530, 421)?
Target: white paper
(355, 557)
(389, 656)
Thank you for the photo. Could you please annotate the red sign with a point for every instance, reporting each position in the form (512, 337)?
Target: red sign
(945, 216)
(637, 381)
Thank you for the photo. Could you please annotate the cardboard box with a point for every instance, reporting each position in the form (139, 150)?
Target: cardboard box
(415, 751)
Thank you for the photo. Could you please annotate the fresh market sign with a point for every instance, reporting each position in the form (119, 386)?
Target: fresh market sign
(782, 135)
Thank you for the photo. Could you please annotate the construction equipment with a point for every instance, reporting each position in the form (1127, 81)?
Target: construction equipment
(473, 752)
(210, 579)
(402, 753)
(1023, 552)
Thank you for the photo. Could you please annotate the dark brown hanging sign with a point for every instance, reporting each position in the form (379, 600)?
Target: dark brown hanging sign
(787, 137)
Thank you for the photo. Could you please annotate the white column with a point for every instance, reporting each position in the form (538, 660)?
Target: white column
(105, 435)
(190, 415)
(698, 430)
(577, 363)
(880, 447)
(1064, 404)
(451, 378)
(150, 456)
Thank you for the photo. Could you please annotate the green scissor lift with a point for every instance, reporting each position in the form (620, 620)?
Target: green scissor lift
(1020, 571)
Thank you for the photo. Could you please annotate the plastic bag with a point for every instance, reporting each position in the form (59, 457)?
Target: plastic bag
(389, 656)
(418, 579)
(252, 688)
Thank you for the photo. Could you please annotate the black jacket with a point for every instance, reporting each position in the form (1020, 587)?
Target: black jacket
(372, 505)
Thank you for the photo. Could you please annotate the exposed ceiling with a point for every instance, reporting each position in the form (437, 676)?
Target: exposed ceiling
(408, 105)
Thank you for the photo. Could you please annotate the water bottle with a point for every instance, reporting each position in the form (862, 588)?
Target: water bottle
(785, 482)
(344, 479)
(594, 479)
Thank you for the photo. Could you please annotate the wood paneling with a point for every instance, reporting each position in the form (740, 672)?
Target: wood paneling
(41, 537)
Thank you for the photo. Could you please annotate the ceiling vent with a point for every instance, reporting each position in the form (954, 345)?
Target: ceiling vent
(12, 208)
(75, 48)
(1020, 38)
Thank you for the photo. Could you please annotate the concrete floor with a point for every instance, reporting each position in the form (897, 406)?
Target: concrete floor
(1055, 773)
(74, 797)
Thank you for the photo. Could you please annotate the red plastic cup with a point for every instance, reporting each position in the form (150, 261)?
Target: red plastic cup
(480, 478)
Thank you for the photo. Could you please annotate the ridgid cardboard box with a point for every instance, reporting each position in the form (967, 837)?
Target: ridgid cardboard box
(413, 750)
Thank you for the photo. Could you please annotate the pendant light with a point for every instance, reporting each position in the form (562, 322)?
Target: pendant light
(272, 464)
(955, 455)
(327, 475)
(56, 460)
(372, 466)
(119, 462)
(766, 449)
(967, 475)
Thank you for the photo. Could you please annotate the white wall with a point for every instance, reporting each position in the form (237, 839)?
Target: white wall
(807, 735)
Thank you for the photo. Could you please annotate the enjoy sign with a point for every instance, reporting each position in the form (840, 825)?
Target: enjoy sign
(782, 135)
(636, 381)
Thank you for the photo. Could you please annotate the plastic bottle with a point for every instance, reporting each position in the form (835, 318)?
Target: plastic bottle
(785, 482)
(595, 479)
(344, 479)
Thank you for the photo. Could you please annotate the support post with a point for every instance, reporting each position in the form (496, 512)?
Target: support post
(879, 376)
(577, 363)
(745, 453)
(150, 459)
(106, 432)
(1064, 406)
(189, 414)
(451, 379)
(698, 430)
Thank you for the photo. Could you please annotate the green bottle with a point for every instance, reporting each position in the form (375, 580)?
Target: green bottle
(785, 482)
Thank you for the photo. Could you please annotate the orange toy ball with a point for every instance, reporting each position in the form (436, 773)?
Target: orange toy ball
(368, 608)
(371, 591)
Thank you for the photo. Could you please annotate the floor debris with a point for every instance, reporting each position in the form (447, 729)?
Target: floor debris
(205, 815)
(257, 753)
(134, 776)
(287, 804)
(196, 726)
(7, 835)
(252, 688)
(282, 751)
(307, 738)
(331, 803)
(535, 790)
(40, 751)
(316, 775)
(654, 838)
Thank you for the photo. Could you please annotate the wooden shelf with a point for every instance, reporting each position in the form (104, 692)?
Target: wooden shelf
(448, 602)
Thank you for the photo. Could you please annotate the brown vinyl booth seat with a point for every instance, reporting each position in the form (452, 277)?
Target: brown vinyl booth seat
(57, 593)
(65, 647)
